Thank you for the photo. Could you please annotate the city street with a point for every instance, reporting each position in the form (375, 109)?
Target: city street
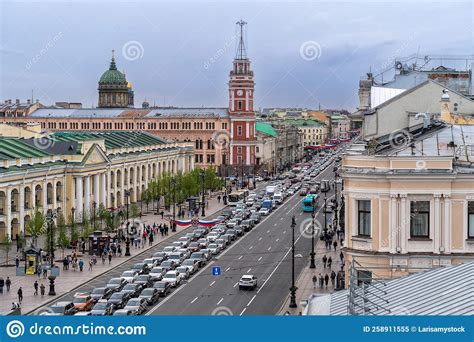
(264, 252)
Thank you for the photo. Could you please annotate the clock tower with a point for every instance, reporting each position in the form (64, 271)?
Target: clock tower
(241, 110)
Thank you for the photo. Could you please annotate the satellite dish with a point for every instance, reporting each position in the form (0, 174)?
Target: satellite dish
(398, 65)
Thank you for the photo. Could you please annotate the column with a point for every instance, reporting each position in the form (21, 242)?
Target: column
(134, 181)
(122, 187)
(9, 212)
(22, 208)
(103, 190)
(87, 194)
(157, 169)
(96, 190)
(79, 199)
(446, 226)
(146, 175)
(45, 196)
(55, 204)
(404, 224)
(107, 189)
(437, 223)
(394, 229)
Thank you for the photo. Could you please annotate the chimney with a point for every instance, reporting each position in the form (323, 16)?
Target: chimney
(364, 92)
(9, 101)
(28, 101)
(446, 115)
(17, 101)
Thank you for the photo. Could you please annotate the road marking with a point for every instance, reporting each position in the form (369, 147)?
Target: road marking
(269, 248)
(284, 232)
(240, 257)
(228, 268)
(212, 283)
(220, 301)
(235, 284)
(260, 238)
(250, 247)
(268, 231)
(249, 270)
(301, 213)
(195, 299)
(259, 258)
(273, 225)
(281, 218)
(243, 311)
(251, 300)
(277, 240)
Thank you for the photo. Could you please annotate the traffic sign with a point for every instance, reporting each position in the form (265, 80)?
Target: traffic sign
(216, 270)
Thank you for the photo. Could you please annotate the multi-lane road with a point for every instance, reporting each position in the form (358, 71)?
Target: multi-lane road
(264, 252)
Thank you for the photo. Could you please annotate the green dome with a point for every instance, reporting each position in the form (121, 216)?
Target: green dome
(113, 76)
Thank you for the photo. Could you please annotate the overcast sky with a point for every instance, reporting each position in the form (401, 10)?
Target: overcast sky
(303, 54)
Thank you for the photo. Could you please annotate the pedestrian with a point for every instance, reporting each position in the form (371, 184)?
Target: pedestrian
(162, 230)
(42, 288)
(326, 279)
(166, 229)
(45, 273)
(219, 199)
(150, 240)
(2, 283)
(110, 257)
(17, 262)
(315, 280)
(81, 265)
(321, 280)
(333, 278)
(83, 245)
(329, 262)
(8, 283)
(162, 214)
(341, 256)
(20, 295)
(335, 245)
(90, 264)
(38, 272)
(119, 250)
(325, 259)
(36, 287)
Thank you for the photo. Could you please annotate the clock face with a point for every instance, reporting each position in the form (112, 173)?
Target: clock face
(239, 92)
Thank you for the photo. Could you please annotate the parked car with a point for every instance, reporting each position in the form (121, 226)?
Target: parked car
(101, 293)
(119, 299)
(62, 308)
(151, 295)
(144, 280)
(83, 301)
(172, 277)
(137, 305)
(103, 308)
(159, 257)
(184, 272)
(248, 282)
(124, 312)
(157, 273)
(133, 289)
(169, 264)
(191, 264)
(200, 257)
(163, 287)
(264, 211)
(129, 276)
(214, 248)
(116, 284)
(141, 268)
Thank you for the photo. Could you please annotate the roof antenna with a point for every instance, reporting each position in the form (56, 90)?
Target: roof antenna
(241, 51)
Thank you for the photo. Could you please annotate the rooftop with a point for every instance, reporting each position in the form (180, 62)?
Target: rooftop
(265, 128)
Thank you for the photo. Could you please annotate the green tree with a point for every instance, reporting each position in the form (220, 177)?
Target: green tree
(86, 226)
(7, 246)
(36, 226)
(102, 213)
(73, 229)
(111, 221)
(134, 210)
(63, 240)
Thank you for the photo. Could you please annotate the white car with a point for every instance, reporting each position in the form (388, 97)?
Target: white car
(264, 211)
(214, 248)
(248, 282)
(156, 273)
(169, 249)
(184, 272)
(129, 276)
(213, 236)
(173, 278)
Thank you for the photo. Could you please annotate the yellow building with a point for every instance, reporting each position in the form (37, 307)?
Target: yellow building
(72, 172)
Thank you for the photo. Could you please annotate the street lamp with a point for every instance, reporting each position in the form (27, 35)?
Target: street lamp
(50, 216)
(325, 214)
(127, 241)
(203, 200)
(94, 206)
(173, 225)
(313, 215)
(293, 288)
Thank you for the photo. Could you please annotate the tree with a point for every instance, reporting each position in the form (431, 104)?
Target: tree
(7, 246)
(134, 210)
(111, 221)
(86, 226)
(21, 240)
(102, 213)
(73, 230)
(63, 240)
(36, 226)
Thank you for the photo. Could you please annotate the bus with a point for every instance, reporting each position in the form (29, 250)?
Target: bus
(309, 203)
(237, 196)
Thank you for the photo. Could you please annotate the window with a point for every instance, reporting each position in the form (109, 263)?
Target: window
(470, 220)
(364, 217)
(239, 130)
(239, 105)
(420, 219)
(364, 277)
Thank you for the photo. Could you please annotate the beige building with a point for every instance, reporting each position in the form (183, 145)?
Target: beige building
(75, 172)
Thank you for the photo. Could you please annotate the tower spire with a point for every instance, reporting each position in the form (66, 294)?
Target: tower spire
(113, 66)
(241, 51)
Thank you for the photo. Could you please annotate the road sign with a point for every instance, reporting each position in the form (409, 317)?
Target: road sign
(216, 270)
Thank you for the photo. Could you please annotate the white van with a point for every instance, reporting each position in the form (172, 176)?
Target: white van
(278, 198)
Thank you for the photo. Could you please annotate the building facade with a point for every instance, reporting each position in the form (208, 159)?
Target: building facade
(76, 172)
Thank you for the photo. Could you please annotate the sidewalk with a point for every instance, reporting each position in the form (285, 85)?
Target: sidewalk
(304, 283)
(70, 279)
